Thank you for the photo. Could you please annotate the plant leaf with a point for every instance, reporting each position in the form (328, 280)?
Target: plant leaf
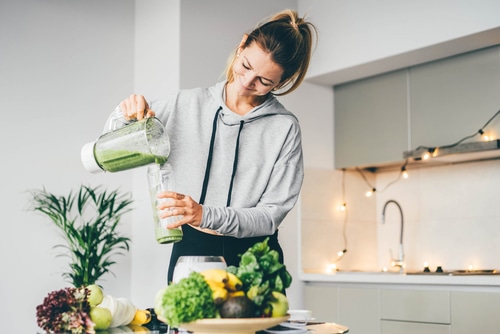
(89, 228)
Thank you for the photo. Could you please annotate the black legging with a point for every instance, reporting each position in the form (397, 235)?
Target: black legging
(196, 243)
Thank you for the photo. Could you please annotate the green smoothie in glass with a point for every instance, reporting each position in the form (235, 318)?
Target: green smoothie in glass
(161, 178)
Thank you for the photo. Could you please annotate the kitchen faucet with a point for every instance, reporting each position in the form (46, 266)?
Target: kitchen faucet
(399, 262)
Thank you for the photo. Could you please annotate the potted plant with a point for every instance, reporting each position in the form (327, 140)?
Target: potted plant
(88, 221)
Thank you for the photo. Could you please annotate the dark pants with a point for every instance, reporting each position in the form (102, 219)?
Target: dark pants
(196, 243)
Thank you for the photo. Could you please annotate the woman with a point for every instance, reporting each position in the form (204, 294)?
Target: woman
(236, 151)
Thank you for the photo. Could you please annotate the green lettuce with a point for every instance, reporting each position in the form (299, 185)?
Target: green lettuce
(188, 300)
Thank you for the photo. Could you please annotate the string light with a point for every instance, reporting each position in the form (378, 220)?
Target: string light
(486, 136)
(404, 172)
(340, 254)
(430, 152)
(433, 151)
(370, 192)
(332, 267)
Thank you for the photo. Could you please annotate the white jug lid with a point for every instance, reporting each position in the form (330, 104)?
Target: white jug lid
(88, 158)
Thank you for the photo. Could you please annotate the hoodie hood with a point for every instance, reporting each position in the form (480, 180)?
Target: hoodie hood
(270, 107)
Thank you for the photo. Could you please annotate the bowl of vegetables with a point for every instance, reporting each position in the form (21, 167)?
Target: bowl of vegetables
(237, 300)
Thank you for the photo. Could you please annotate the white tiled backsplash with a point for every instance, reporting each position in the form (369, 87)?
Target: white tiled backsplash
(451, 218)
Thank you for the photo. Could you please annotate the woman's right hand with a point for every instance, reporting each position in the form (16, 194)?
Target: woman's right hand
(135, 107)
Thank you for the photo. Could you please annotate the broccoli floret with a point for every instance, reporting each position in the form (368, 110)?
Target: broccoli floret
(188, 300)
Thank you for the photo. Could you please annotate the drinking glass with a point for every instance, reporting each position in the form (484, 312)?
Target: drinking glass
(161, 178)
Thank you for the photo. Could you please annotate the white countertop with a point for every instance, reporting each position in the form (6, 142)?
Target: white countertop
(396, 279)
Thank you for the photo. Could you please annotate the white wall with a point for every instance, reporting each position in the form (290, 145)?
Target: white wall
(64, 65)
(451, 216)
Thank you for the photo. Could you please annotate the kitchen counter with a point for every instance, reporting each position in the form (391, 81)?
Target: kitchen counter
(313, 327)
(397, 278)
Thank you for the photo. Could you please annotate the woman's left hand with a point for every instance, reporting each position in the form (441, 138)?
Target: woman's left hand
(180, 205)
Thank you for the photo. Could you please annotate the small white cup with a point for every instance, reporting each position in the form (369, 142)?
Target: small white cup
(299, 317)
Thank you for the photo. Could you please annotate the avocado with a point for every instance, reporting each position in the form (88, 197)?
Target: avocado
(237, 307)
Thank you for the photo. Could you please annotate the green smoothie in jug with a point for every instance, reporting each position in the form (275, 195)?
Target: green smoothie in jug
(119, 160)
(137, 144)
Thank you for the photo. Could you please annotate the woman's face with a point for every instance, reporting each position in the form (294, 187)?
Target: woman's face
(255, 73)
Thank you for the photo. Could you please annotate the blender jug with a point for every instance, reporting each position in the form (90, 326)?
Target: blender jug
(136, 144)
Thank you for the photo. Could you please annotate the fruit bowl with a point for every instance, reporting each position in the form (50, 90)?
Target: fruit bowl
(231, 325)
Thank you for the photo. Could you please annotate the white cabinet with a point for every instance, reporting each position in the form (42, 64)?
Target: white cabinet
(322, 301)
(356, 308)
(415, 305)
(454, 97)
(356, 304)
(379, 309)
(414, 311)
(376, 119)
(371, 121)
(475, 312)
(399, 327)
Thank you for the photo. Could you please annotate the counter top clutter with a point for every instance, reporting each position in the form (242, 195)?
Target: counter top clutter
(237, 300)
(234, 300)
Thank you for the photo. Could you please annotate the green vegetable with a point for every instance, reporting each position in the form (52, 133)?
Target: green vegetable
(188, 300)
(261, 273)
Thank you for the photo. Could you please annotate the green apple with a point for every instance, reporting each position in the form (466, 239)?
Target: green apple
(101, 317)
(279, 304)
(96, 294)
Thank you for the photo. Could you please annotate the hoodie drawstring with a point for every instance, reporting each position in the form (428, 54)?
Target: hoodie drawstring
(209, 161)
(235, 164)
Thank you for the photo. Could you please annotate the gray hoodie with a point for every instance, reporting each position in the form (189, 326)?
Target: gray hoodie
(256, 170)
